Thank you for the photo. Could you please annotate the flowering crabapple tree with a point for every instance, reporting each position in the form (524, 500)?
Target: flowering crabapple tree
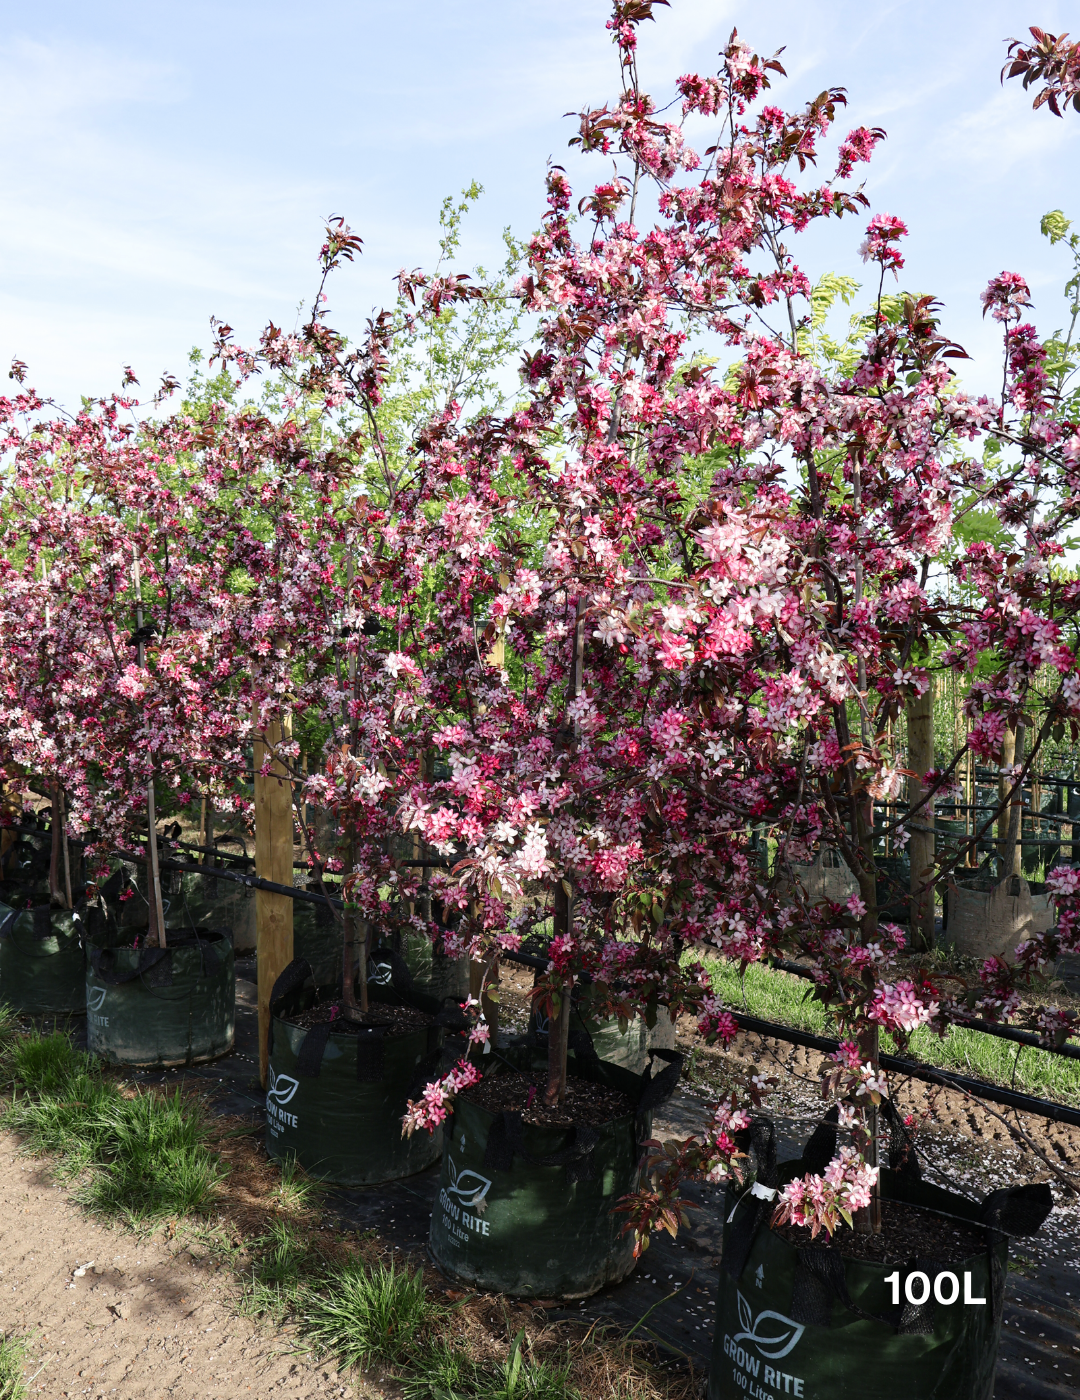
(338, 617)
(733, 598)
(117, 673)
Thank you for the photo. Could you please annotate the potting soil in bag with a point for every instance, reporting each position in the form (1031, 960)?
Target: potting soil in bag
(154, 1006)
(526, 1209)
(335, 1097)
(804, 1320)
(42, 964)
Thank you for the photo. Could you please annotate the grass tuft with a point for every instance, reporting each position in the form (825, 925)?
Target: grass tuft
(367, 1313)
(297, 1193)
(142, 1155)
(12, 1360)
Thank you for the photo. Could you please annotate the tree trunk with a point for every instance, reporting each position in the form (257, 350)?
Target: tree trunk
(559, 1024)
(1011, 850)
(56, 827)
(206, 825)
(65, 848)
(868, 1220)
(1008, 757)
(920, 722)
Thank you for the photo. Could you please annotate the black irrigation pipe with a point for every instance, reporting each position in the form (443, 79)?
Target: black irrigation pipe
(1057, 1112)
(1070, 1052)
(253, 882)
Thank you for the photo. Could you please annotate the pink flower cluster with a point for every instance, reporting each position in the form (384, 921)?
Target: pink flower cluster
(900, 1006)
(882, 235)
(821, 1202)
(1005, 297)
(431, 1109)
(716, 1022)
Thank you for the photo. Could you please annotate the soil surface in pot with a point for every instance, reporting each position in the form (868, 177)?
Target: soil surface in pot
(907, 1232)
(586, 1103)
(399, 1020)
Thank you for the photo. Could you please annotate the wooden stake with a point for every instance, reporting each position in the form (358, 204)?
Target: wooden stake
(273, 861)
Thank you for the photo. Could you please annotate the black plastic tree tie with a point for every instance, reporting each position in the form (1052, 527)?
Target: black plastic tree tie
(370, 1057)
(309, 1057)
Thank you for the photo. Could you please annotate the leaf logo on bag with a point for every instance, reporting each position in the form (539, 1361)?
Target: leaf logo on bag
(381, 974)
(772, 1342)
(96, 1000)
(281, 1088)
(468, 1186)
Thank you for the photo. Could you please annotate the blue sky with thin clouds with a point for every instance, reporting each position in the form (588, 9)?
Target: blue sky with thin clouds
(164, 163)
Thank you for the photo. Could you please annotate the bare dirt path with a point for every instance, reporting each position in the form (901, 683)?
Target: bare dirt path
(148, 1320)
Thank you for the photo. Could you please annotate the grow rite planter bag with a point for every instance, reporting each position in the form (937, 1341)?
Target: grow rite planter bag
(434, 973)
(317, 940)
(808, 1323)
(527, 1210)
(334, 1099)
(168, 1006)
(42, 964)
(629, 1048)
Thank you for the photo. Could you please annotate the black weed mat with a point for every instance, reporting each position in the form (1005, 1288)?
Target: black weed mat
(669, 1300)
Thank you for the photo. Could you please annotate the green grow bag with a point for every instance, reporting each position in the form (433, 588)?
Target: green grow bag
(159, 1007)
(42, 964)
(809, 1323)
(527, 1210)
(335, 1100)
(629, 1048)
(208, 901)
(434, 973)
(431, 973)
(317, 939)
(893, 886)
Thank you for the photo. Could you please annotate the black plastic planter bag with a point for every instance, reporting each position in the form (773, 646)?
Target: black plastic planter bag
(808, 1323)
(168, 1006)
(42, 964)
(527, 1210)
(335, 1100)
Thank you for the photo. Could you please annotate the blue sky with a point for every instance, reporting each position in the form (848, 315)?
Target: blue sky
(163, 163)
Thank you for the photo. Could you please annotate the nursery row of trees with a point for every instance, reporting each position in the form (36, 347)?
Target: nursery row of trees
(580, 637)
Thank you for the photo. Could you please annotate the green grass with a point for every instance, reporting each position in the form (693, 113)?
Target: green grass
(365, 1314)
(782, 997)
(140, 1156)
(378, 1314)
(12, 1360)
